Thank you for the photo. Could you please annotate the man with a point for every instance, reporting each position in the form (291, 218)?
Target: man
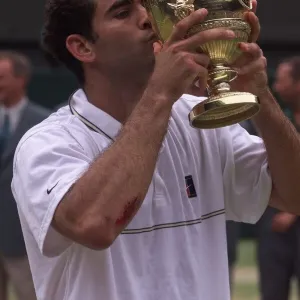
(287, 86)
(124, 200)
(17, 115)
(279, 232)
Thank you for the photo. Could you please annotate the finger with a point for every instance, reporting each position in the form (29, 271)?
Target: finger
(198, 39)
(253, 20)
(254, 6)
(250, 52)
(202, 76)
(251, 49)
(202, 60)
(256, 66)
(182, 27)
(198, 87)
(194, 68)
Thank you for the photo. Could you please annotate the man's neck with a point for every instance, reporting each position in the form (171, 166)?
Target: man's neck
(13, 101)
(116, 97)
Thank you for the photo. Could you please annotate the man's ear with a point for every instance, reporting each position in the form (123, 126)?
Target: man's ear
(80, 48)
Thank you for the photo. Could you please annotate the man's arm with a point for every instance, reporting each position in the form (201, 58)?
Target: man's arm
(280, 137)
(104, 200)
(283, 148)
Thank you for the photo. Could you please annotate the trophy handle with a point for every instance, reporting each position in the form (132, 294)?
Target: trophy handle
(246, 3)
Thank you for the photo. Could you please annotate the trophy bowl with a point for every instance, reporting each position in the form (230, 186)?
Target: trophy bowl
(223, 107)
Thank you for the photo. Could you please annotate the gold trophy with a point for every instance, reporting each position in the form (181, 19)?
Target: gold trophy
(222, 107)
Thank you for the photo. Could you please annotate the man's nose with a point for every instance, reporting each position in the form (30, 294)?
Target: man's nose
(144, 22)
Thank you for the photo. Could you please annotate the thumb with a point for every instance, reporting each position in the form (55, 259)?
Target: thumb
(157, 46)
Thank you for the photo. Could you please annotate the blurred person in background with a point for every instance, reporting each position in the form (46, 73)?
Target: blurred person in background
(17, 115)
(232, 232)
(287, 86)
(279, 232)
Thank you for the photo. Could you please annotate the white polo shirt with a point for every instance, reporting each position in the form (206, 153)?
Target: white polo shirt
(175, 247)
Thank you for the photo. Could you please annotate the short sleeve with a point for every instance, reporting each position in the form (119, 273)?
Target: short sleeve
(46, 165)
(246, 178)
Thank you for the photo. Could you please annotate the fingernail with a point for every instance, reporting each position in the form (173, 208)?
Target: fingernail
(202, 11)
(230, 33)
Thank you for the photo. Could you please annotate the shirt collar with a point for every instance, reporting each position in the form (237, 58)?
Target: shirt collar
(94, 117)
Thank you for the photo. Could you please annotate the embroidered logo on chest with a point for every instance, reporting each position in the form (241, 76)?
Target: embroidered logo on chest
(190, 187)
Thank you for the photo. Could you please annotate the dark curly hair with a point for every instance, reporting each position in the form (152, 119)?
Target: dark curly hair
(63, 18)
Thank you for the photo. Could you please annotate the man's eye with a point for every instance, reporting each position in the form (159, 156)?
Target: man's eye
(122, 14)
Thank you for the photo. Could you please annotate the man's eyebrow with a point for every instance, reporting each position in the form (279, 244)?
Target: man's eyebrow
(117, 4)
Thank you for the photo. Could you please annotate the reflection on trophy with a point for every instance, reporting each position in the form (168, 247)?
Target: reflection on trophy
(222, 107)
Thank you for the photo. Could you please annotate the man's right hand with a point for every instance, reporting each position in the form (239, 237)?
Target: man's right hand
(180, 63)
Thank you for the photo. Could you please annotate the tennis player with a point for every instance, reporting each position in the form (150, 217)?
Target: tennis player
(119, 197)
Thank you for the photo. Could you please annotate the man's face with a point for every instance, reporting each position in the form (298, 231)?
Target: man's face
(10, 85)
(284, 84)
(125, 38)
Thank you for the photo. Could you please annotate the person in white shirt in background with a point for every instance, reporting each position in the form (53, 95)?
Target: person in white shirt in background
(119, 197)
(17, 115)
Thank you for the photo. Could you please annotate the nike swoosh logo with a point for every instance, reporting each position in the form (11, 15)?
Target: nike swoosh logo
(49, 191)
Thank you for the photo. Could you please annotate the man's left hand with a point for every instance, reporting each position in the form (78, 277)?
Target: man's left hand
(251, 66)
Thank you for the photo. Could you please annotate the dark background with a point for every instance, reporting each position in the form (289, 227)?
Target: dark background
(21, 20)
(21, 23)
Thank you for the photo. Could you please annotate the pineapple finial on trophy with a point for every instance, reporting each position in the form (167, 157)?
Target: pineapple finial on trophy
(182, 8)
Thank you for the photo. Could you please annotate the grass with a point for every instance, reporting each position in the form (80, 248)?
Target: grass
(246, 254)
(245, 276)
(12, 295)
(245, 285)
